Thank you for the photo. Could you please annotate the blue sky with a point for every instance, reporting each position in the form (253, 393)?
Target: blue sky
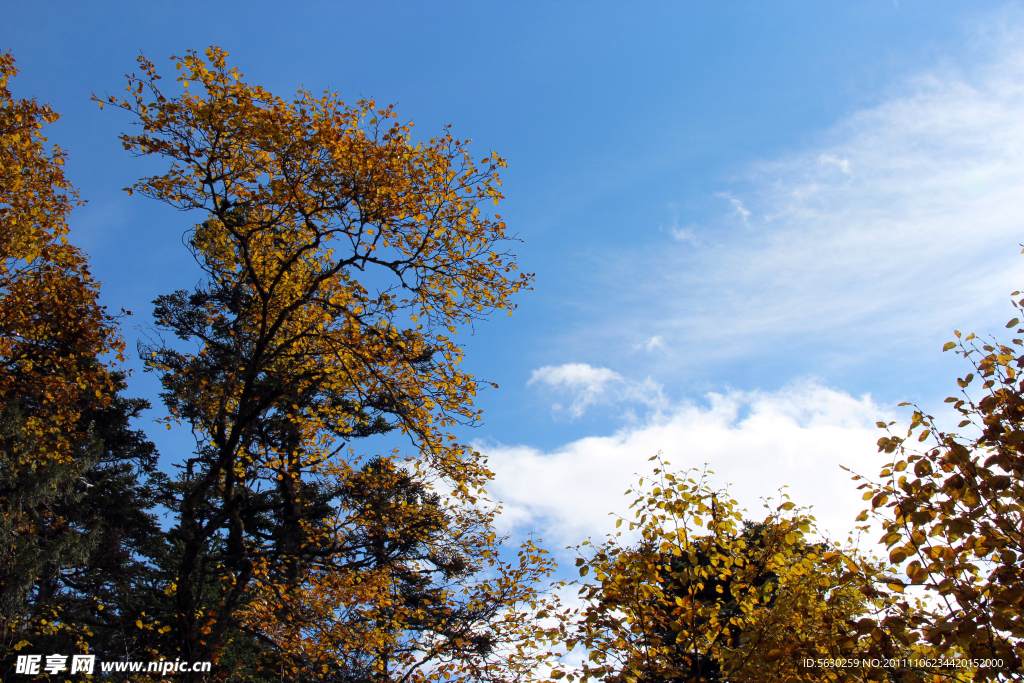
(753, 225)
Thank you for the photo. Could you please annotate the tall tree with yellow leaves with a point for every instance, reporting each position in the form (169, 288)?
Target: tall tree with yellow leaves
(340, 258)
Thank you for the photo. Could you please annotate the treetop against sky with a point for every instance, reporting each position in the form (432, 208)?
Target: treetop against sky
(753, 226)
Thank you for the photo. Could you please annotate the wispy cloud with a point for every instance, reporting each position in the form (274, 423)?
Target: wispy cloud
(737, 206)
(654, 342)
(687, 235)
(757, 441)
(872, 245)
(827, 160)
(585, 385)
(682, 234)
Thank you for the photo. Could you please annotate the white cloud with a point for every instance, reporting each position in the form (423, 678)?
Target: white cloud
(757, 441)
(586, 385)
